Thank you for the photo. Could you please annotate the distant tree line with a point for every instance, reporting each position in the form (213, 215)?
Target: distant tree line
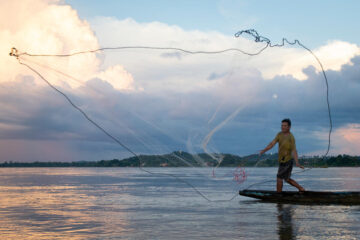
(184, 159)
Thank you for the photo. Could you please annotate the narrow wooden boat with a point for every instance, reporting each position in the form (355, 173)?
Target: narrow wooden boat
(307, 197)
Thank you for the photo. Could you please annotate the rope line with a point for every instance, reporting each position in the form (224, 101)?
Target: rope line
(144, 47)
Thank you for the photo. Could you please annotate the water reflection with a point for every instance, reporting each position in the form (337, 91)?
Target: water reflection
(62, 211)
(285, 222)
(124, 203)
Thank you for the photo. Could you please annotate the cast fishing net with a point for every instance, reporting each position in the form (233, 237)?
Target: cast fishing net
(177, 112)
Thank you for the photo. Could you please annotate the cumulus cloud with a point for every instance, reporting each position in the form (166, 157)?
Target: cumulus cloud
(289, 60)
(48, 27)
(44, 27)
(345, 140)
(118, 77)
(333, 56)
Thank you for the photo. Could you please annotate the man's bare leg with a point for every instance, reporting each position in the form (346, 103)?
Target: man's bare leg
(279, 184)
(295, 184)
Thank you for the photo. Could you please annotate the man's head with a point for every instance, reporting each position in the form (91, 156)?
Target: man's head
(285, 125)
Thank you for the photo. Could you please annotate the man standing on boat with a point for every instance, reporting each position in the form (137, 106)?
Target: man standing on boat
(287, 154)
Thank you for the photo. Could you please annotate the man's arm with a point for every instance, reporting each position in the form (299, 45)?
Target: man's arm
(270, 146)
(294, 153)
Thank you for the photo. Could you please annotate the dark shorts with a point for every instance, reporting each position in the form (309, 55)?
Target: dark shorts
(284, 171)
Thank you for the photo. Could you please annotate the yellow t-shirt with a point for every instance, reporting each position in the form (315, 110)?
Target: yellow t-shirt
(286, 146)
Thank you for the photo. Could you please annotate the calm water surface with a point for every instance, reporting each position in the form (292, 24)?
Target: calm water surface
(126, 203)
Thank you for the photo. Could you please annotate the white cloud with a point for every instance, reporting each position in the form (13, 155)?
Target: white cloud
(118, 77)
(168, 69)
(43, 27)
(345, 140)
(289, 60)
(332, 56)
(47, 27)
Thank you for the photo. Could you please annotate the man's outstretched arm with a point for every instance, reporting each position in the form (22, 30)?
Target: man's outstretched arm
(270, 146)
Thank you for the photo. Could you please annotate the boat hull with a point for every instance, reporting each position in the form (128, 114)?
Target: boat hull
(307, 197)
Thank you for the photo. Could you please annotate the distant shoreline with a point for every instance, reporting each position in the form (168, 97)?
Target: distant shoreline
(184, 159)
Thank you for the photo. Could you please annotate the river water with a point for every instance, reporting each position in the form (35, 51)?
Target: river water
(127, 203)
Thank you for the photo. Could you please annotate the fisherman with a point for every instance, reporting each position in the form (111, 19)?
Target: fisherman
(287, 154)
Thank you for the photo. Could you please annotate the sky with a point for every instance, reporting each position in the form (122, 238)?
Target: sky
(159, 101)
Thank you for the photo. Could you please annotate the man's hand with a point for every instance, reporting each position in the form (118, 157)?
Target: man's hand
(300, 166)
(262, 152)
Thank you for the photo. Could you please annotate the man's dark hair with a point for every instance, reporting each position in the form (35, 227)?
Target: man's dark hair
(287, 120)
